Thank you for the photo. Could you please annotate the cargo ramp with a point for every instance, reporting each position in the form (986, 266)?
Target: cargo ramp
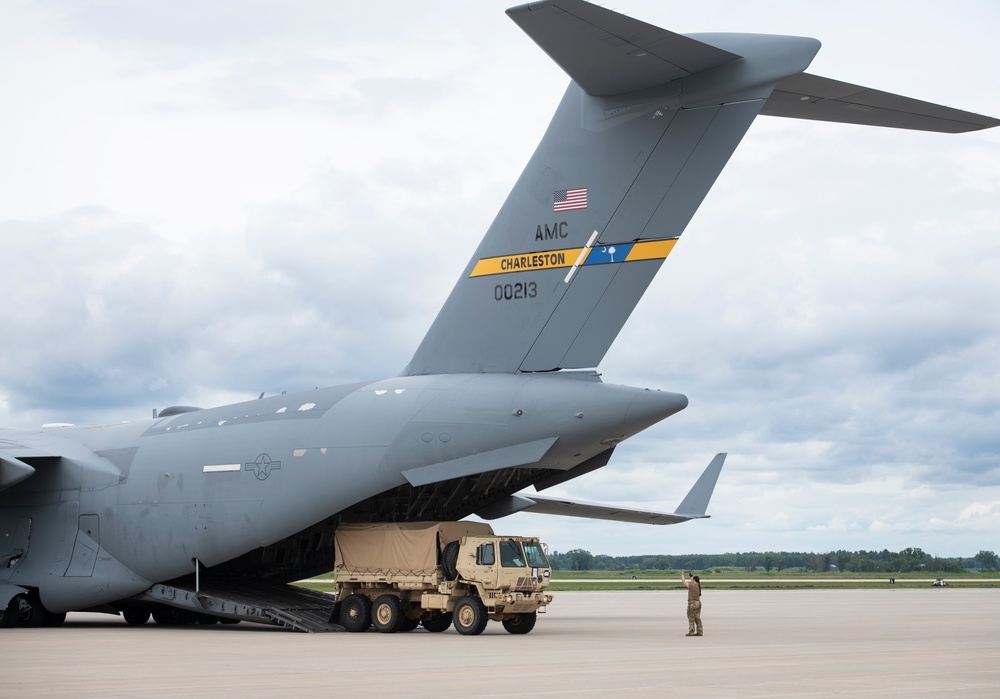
(277, 604)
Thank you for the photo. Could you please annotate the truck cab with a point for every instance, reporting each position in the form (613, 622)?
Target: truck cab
(510, 574)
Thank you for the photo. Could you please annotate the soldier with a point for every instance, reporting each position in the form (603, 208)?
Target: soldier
(694, 603)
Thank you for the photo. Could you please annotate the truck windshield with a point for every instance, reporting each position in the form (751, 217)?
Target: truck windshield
(536, 557)
(511, 555)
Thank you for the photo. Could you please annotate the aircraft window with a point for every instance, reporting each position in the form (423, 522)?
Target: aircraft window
(487, 555)
(511, 555)
(535, 555)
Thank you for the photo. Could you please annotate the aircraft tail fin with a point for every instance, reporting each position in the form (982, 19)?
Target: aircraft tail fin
(640, 136)
(648, 122)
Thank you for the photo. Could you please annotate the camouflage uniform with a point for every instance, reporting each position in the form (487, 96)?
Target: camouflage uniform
(694, 609)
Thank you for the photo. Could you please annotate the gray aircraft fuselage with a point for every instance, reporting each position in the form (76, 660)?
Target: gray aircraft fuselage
(150, 497)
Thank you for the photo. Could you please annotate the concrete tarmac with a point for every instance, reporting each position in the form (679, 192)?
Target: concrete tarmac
(781, 643)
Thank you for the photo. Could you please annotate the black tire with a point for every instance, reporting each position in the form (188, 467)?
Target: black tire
(387, 614)
(162, 617)
(52, 620)
(439, 623)
(356, 613)
(136, 617)
(409, 623)
(9, 616)
(470, 617)
(32, 612)
(520, 623)
(172, 616)
(449, 560)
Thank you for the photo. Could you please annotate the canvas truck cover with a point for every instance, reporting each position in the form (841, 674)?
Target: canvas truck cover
(406, 547)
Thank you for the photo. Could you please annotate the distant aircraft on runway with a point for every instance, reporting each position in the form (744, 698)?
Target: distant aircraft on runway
(501, 394)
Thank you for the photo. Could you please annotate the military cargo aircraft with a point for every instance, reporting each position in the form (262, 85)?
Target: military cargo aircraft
(207, 514)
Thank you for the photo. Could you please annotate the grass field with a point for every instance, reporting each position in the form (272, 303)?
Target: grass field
(740, 579)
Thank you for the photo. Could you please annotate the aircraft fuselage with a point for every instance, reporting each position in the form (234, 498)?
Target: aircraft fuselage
(132, 504)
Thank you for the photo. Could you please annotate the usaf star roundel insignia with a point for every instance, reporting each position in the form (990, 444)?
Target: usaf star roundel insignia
(262, 466)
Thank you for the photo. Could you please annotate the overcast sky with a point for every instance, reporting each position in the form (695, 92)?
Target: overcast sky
(203, 201)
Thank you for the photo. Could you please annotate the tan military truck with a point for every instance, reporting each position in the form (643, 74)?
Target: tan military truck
(398, 576)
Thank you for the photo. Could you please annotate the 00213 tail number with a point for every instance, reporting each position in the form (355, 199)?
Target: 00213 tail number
(515, 291)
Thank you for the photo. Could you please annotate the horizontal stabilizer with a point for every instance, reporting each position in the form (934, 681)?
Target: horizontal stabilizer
(806, 96)
(591, 510)
(607, 53)
(506, 457)
(693, 505)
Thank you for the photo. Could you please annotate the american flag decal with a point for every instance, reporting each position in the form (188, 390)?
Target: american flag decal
(569, 199)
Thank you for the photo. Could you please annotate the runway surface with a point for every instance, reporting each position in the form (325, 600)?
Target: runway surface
(797, 643)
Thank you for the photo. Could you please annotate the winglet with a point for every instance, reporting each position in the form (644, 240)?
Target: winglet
(692, 507)
(695, 503)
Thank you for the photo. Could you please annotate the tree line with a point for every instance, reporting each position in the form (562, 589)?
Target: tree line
(906, 561)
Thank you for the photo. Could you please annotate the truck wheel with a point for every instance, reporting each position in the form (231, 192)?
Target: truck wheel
(356, 613)
(470, 616)
(520, 623)
(409, 623)
(449, 560)
(387, 614)
(439, 623)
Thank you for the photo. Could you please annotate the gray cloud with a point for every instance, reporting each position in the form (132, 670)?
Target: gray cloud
(272, 197)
